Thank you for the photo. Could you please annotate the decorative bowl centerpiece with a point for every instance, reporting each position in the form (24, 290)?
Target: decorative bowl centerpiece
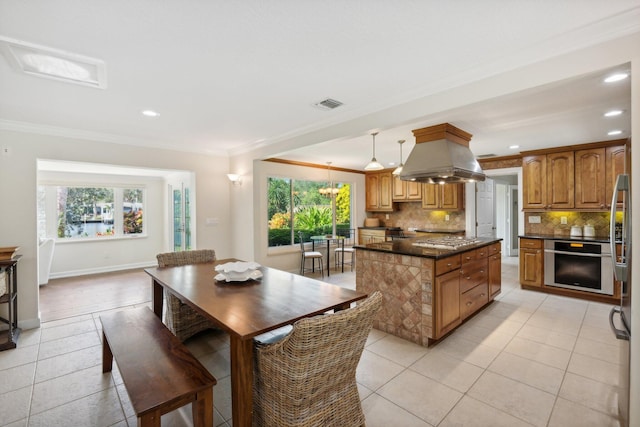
(239, 271)
(8, 252)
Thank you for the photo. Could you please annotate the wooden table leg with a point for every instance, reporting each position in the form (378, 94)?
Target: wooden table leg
(202, 409)
(107, 356)
(157, 298)
(241, 381)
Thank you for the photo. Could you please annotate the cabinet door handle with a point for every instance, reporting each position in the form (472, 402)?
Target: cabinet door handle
(482, 294)
(449, 264)
(469, 303)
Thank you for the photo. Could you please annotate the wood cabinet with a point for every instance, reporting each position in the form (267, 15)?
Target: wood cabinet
(615, 164)
(590, 179)
(447, 307)
(531, 258)
(495, 270)
(9, 299)
(379, 191)
(404, 191)
(579, 179)
(442, 196)
(366, 236)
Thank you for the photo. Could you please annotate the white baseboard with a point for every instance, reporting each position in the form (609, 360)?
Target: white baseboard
(97, 270)
(29, 323)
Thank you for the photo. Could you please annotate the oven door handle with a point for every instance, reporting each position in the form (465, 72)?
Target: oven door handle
(551, 251)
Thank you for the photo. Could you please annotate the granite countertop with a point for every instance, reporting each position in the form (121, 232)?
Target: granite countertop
(381, 228)
(438, 230)
(405, 247)
(597, 239)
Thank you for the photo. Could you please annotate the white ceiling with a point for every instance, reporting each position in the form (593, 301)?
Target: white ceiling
(227, 77)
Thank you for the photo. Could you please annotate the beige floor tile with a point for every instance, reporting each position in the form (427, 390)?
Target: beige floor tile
(543, 377)
(374, 336)
(125, 402)
(18, 356)
(29, 337)
(545, 336)
(590, 393)
(421, 396)
(398, 350)
(66, 321)
(515, 398)
(603, 335)
(222, 397)
(67, 363)
(598, 350)
(542, 353)
(467, 350)
(509, 311)
(100, 409)
(449, 371)
(67, 330)
(496, 324)
(363, 391)
(218, 363)
(379, 412)
(14, 405)
(70, 387)
(566, 413)
(555, 323)
(596, 369)
(17, 377)
(374, 371)
(68, 344)
(484, 336)
(471, 412)
(20, 423)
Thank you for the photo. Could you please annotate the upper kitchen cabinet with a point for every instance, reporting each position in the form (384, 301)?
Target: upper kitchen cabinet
(590, 178)
(442, 196)
(404, 191)
(379, 191)
(582, 178)
(615, 164)
(548, 181)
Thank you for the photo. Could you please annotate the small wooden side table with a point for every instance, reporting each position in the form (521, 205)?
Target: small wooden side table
(9, 338)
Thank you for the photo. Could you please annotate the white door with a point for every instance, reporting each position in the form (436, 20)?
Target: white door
(485, 209)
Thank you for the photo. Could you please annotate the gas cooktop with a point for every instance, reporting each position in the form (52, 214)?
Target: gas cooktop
(445, 242)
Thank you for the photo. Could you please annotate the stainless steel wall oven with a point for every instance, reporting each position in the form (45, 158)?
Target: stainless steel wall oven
(584, 266)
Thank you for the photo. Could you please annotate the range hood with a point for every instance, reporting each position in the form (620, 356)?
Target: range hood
(441, 155)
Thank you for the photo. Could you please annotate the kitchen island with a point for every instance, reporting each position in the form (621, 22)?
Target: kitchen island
(428, 291)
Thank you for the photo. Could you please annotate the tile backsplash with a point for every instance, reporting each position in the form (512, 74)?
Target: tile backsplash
(550, 222)
(412, 215)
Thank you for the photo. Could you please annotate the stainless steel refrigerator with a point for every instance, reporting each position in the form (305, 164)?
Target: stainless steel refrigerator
(620, 238)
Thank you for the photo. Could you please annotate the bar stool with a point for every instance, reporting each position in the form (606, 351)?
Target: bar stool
(347, 248)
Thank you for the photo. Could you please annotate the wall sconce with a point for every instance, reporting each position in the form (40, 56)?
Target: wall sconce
(235, 178)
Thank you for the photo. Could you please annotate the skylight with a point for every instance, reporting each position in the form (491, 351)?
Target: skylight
(42, 61)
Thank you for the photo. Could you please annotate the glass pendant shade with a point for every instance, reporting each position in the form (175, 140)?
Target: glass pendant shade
(374, 165)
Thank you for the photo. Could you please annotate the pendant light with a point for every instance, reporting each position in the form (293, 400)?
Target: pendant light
(373, 164)
(401, 165)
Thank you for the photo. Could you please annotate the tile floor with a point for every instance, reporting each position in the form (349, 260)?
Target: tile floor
(529, 359)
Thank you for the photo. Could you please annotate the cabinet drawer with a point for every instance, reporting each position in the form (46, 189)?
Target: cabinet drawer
(482, 252)
(469, 255)
(473, 299)
(447, 264)
(473, 274)
(495, 248)
(531, 243)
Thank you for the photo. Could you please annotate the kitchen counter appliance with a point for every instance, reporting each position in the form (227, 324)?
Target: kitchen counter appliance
(445, 242)
(620, 232)
(578, 265)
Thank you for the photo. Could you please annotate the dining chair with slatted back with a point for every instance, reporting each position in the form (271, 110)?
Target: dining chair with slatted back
(308, 378)
(181, 319)
(312, 255)
(340, 251)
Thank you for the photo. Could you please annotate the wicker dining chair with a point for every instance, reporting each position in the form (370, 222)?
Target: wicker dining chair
(181, 319)
(308, 378)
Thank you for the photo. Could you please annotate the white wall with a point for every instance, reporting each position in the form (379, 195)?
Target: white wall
(18, 183)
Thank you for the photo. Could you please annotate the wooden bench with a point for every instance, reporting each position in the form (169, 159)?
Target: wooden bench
(159, 372)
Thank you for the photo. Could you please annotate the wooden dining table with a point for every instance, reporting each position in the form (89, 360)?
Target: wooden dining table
(245, 310)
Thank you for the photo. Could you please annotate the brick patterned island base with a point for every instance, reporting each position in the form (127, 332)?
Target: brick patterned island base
(428, 292)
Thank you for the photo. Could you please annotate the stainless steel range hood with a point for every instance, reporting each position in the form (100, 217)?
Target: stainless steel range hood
(442, 155)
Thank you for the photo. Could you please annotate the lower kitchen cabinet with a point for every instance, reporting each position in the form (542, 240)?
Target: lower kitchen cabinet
(447, 299)
(531, 257)
(371, 236)
(495, 270)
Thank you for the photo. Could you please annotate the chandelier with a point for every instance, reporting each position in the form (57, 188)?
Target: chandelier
(329, 191)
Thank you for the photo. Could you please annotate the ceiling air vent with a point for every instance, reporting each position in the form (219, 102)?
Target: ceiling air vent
(484, 156)
(328, 104)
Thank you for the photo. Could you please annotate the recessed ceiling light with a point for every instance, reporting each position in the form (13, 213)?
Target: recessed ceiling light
(613, 113)
(150, 113)
(616, 77)
(42, 61)
(513, 147)
(614, 132)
